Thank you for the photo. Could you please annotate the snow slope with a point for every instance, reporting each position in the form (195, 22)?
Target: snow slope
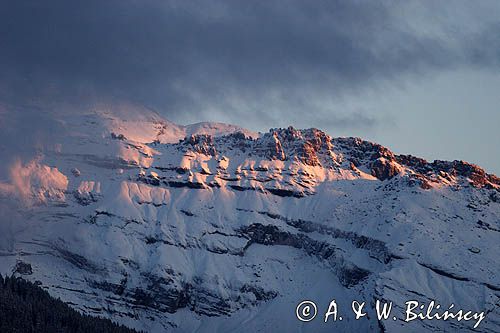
(211, 228)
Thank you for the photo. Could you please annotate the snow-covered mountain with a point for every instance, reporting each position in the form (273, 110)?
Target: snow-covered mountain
(212, 228)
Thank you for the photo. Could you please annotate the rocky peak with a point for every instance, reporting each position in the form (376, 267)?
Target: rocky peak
(473, 173)
(305, 145)
(449, 171)
(201, 143)
(274, 148)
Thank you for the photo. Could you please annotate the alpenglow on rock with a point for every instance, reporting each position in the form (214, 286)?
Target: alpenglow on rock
(212, 228)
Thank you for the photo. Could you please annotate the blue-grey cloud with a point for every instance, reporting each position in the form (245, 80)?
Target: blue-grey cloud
(260, 60)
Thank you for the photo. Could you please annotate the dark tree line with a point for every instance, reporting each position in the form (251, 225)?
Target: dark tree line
(25, 307)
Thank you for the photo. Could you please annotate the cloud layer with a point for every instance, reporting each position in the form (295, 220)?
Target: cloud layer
(34, 182)
(258, 60)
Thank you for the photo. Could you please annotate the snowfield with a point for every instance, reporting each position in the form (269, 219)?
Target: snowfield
(213, 228)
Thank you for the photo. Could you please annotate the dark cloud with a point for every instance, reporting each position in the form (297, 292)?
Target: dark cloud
(255, 60)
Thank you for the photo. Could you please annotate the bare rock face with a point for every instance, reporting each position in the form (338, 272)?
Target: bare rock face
(201, 143)
(476, 175)
(75, 172)
(275, 148)
(417, 163)
(316, 142)
(311, 147)
(430, 172)
(384, 169)
(23, 268)
(118, 136)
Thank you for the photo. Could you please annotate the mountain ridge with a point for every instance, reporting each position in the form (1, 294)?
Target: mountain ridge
(160, 230)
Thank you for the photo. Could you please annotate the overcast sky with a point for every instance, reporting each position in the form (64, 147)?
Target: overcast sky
(421, 77)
